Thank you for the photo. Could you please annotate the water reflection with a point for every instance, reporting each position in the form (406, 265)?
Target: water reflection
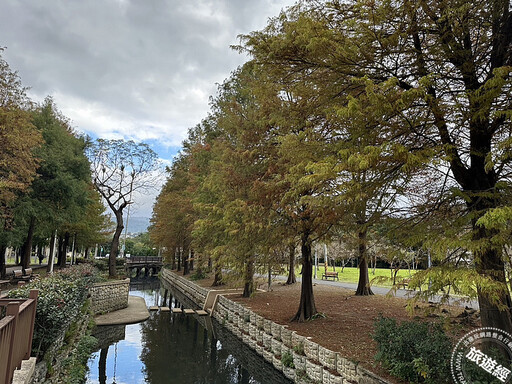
(175, 348)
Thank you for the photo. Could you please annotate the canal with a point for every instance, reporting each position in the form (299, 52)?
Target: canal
(174, 348)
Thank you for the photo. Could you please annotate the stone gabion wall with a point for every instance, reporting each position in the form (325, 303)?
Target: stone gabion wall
(272, 341)
(56, 354)
(193, 291)
(109, 334)
(109, 296)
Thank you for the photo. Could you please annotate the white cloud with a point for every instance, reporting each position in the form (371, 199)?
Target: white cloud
(141, 70)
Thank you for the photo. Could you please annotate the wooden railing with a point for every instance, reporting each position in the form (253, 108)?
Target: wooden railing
(16, 331)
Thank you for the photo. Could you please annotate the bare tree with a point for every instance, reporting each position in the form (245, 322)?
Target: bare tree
(120, 168)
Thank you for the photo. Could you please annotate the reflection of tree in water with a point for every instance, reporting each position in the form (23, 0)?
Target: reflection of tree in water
(102, 366)
(177, 348)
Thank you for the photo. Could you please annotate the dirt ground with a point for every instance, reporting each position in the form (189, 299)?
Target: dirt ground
(349, 320)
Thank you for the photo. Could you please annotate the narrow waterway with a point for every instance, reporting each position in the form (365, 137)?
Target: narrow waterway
(175, 348)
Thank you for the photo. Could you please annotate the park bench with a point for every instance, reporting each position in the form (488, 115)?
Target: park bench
(330, 275)
(4, 284)
(17, 275)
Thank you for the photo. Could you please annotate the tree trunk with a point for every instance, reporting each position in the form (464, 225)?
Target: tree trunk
(3, 251)
(269, 277)
(173, 262)
(307, 308)
(60, 253)
(248, 277)
(179, 260)
(291, 265)
(395, 272)
(114, 247)
(73, 250)
(191, 260)
(63, 251)
(26, 249)
(186, 265)
(52, 251)
(363, 287)
(489, 263)
(217, 280)
(102, 366)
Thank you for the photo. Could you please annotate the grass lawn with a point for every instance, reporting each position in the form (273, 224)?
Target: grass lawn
(351, 274)
(11, 261)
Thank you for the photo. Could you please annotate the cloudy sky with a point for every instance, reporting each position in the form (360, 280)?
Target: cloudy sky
(140, 70)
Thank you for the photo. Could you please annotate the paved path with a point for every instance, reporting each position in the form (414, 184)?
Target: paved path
(405, 293)
(134, 313)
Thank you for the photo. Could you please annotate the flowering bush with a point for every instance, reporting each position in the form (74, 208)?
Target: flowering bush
(60, 301)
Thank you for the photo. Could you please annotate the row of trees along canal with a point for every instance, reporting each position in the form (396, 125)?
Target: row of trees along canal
(388, 122)
(48, 193)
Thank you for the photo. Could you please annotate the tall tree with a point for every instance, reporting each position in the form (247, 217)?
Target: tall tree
(18, 140)
(450, 62)
(58, 195)
(173, 214)
(120, 168)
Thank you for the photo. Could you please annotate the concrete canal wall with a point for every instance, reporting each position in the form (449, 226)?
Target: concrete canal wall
(110, 296)
(276, 343)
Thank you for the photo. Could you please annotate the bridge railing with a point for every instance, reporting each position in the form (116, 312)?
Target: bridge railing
(16, 332)
(144, 259)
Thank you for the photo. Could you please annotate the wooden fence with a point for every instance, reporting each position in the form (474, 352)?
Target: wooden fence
(16, 331)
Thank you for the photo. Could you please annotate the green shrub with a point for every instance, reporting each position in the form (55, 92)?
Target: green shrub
(76, 365)
(83, 260)
(287, 360)
(60, 301)
(414, 351)
(198, 274)
(101, 265)
(299, 348)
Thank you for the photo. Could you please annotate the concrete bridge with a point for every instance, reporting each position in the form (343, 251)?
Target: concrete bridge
(151, 265)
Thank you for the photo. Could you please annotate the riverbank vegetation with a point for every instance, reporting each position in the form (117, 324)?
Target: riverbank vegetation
(381, 126)
(63, 323)
(61, 301)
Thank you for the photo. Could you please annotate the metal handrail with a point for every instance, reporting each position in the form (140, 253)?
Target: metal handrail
(144, 259)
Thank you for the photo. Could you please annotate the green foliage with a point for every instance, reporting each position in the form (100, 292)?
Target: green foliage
(318, 315)
(198, 274)
(102, 264)
(414, 351)
(76, 365)
(303, 376)
(299, 349)
(140, 245)
(18, 138)
(60, 301)
(287, 360)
